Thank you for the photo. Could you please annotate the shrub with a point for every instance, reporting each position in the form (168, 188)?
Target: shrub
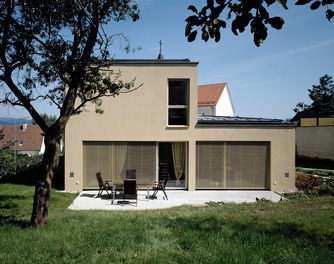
(327, 188)
(20, 170)
(307, 183)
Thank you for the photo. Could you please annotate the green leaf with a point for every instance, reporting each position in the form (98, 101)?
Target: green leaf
(283, 3)
(302, 2)
(220, 2)
(217, 36)
(234, 27)
(203, 11)
(192, 36)
(215, 12)
(220, 23)
(276, 22)
(329, 14)
(193, 8)
(192, 19)
(188, 29)
(263, 12)
(270, 2)
(327, 2)
(315, 5)
(212, 32)
(210, 3)
(205, 35)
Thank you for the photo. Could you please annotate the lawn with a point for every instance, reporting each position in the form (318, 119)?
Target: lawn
(295, 231)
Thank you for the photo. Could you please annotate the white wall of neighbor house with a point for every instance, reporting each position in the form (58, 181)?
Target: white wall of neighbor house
(207, 110)
(142, 115)
(315, 142)
(224, 105)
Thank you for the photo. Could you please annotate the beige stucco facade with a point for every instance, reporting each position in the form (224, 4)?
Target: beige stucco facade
(142, 116)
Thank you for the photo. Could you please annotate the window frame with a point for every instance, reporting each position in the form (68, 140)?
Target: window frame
(180, 106)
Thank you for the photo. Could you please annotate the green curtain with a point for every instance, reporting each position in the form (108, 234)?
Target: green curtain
(178, 150)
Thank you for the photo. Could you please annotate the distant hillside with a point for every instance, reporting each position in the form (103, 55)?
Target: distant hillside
(13, 121)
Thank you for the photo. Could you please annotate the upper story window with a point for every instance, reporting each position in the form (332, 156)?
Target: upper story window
(178, 102)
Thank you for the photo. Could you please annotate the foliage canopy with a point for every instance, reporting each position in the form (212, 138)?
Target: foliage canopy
(322, 95)
(213, 17)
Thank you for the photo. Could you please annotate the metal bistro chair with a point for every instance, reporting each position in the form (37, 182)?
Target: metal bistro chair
(162, 183)
(160, 186)
(130, 190)
(103, 185)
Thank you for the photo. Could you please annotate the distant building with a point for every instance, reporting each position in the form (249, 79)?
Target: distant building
(315, 117)
(215, 99)
(25, 139)
(314, 133)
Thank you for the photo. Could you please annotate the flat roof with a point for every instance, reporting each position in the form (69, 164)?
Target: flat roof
(153, 61)
(208, 120)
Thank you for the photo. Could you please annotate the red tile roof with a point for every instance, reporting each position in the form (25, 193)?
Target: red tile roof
(210, 94)
(29, 140)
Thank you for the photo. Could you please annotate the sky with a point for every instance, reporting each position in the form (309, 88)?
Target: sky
(266, 81)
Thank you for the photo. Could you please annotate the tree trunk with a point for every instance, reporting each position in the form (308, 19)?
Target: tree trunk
(49, 163)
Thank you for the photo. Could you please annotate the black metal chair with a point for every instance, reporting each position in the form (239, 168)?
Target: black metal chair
(130, 190)
(103, 185)
(162, 183)
(160, 186)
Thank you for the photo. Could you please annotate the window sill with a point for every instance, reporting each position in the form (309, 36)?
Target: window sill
(177, 127)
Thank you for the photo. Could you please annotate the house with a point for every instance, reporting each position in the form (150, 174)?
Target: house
(215, 99)
(315, 117)
(25, 139)
(314, 134)
(156, 128)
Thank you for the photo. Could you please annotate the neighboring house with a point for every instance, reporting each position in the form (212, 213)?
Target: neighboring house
(157, 128)
(314, 134)
(25, 139)
(215, 99)
(314, 117)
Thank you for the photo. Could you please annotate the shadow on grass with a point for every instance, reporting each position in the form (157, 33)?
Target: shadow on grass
(283, 231)
(12, 221)
(7, 201)
(294, 231)
(8, 208)
(11, 197)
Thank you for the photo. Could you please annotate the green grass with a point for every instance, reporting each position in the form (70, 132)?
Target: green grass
(296, 231)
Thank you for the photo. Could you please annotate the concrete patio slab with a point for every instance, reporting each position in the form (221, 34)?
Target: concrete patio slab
(87, 200)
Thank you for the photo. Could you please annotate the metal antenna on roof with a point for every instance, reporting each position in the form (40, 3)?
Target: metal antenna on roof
(160, 56)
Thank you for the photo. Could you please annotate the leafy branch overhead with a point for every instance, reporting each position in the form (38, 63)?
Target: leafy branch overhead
(213, 17)
(56, 48)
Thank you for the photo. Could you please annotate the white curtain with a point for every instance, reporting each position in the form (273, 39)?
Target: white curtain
(178, 150)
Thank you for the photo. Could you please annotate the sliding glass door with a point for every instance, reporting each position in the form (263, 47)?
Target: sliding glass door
(113, 159)
(173, 163)
(232, 165)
